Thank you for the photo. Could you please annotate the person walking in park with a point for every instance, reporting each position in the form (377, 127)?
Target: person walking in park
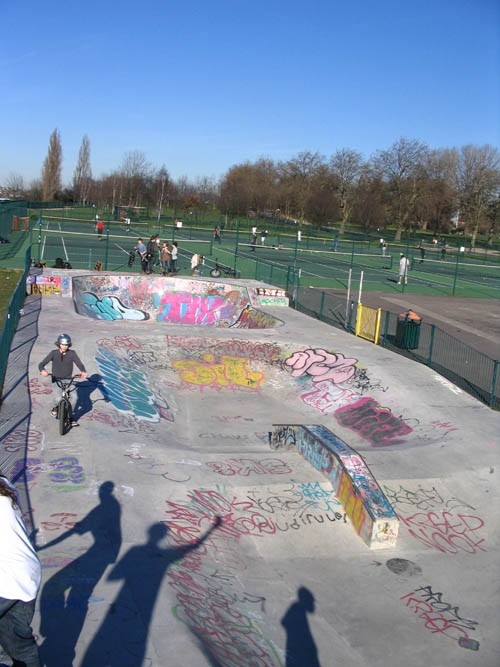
(422, 252)
(403, 269)
(217, 236)
(19, 581)
(63, 360)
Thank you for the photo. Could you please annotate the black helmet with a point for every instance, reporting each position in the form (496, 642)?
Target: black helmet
(64, 339)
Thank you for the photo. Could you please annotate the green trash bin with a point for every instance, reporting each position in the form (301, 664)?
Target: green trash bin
(408, 330)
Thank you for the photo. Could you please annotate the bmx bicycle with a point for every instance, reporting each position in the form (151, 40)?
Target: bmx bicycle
(64, 411)
(219, 269)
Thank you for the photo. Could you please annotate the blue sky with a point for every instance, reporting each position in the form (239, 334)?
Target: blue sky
(199, 86)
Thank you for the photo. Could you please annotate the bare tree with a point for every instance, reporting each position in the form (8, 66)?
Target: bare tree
(477, 179)
(161, 185)
(401, 168)
(437, 200)
(237, 190)
(297, 175)
(346, 166)
(82, 177)
(15, 185)
(51, 171)
(136, 172)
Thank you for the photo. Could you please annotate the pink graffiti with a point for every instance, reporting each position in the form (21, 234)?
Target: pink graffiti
(37, 387)
(194, 308)
(19, 440)
(238, 518)
(446, 425)
(322, 365)
(446, 531)
(59, 521)
(326, 397)
(373, 422)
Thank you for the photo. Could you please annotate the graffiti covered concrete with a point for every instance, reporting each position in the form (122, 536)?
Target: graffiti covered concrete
(169, 301)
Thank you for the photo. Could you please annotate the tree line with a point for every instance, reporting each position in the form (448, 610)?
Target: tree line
(407, 186)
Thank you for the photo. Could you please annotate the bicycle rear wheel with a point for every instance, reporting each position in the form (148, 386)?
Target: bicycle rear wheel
(64, 415)
(215, 273)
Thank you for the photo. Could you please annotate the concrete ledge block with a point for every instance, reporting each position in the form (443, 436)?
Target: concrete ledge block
(371, 514)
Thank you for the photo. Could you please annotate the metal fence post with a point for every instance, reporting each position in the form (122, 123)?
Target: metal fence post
(494, 383)
(431, 344)
(456, 275)
(106, 252)
(386, 328)
(321, 305)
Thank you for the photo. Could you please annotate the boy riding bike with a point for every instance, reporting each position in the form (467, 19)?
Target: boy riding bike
(62, 361)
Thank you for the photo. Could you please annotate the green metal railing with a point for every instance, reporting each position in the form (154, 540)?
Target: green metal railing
(14, 311)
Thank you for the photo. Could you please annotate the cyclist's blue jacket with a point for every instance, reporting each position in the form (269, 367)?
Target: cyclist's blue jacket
(62, 364)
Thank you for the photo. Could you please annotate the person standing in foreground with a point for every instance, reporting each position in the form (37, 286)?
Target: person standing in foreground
(62, 361)
(403, 269)
(20, 575)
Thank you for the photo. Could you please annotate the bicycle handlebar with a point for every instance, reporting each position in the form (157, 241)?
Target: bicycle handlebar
(66, 381)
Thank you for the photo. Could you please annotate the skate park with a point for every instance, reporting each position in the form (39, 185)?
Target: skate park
(211, 399)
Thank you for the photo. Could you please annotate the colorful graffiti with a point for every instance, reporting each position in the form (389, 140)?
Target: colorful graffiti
(372, 422)
(228, 372)
(370, 512)
(128, 389)
(321, 365)
(109, 308)
(169, 300)
(66, 473)
(196, 309)
(214, 604)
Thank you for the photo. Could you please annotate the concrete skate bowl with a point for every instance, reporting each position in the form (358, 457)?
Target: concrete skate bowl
(197, 302)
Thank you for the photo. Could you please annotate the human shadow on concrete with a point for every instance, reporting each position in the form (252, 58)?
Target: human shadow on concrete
(84, 390)
(122, 636)
(301, 648)
(65, 597)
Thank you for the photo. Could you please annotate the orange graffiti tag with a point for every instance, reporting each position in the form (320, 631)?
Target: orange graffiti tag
(353, 505)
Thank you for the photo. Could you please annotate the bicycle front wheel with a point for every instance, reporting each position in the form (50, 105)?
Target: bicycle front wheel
(215, 273)
(64, 416)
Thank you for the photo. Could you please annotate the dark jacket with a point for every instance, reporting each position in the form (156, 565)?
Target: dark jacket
(62, 364)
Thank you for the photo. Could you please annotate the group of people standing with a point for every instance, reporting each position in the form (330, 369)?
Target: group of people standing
(156, 253)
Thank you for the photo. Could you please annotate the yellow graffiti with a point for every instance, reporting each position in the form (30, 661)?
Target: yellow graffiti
(229, 372)
(353, 505)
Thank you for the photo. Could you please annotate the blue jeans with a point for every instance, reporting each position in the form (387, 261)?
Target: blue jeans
(16, 635)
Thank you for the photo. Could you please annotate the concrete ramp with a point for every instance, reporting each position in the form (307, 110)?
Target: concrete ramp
(170, 300)
(174, 431)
